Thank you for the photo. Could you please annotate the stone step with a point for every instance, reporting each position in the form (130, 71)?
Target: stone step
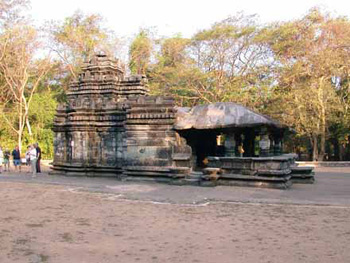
(239, 177)
(195, 175)
(302, 170)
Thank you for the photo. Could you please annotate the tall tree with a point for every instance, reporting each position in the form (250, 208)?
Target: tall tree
(78, 37)
(140, 53)
(173, 73)
(309, 58)
(21, 73)
(221, 63)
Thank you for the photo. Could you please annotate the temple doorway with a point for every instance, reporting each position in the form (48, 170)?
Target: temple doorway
(204, 143)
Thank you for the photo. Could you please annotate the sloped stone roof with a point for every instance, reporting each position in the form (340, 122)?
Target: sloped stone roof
(221, 115)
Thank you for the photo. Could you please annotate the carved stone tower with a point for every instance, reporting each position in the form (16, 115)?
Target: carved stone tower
(89, 129)
(111, 127)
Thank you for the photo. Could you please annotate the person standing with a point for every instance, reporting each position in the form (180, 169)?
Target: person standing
(16, 154)
(38, 157)
(7, 160)
(33, 159)
(1, 159)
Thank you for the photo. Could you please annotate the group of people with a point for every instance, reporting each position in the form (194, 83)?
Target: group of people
(32, 156)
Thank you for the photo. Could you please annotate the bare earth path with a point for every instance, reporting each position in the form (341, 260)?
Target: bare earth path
(60, 219)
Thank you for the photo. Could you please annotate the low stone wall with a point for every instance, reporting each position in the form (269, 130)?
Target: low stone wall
(274, 172)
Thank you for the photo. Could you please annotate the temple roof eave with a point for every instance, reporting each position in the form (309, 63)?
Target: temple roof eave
(222, 115)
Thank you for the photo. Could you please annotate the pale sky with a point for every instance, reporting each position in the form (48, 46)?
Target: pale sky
(126, 17)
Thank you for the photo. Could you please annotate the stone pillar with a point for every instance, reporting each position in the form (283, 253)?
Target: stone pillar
(256, 145)
(272, 145)
(264, 143)
(277, 150)
(230, 145)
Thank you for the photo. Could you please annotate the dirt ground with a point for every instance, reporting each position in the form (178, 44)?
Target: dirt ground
(48, 223)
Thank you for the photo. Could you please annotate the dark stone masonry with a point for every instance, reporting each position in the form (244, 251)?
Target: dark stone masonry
(110, 126)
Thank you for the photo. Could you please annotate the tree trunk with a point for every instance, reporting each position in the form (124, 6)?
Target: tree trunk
(19, 132)
(337, 149)
(322, 146)
(341, 150)
(346, 150)
(29, 127)
(314, 147)
(322, 118)
(20, 143)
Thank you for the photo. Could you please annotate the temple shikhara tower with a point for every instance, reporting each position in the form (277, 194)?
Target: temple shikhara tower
(110, 126)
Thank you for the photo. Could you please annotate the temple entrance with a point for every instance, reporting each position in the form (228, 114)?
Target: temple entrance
(204, 143)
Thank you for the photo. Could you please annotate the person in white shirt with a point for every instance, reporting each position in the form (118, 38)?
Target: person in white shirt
(33, 159)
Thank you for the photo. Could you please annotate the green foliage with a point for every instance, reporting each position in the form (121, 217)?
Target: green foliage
(308, 56)
(21, 70)
(222, 63)
(81, 34)
(140, 53)
(77, 39)
(173, 51)
(41, 117)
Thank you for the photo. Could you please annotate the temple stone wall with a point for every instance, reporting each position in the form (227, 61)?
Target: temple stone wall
(149, 134)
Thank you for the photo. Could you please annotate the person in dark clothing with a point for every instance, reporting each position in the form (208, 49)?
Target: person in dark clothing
(16, 154)
(7, 155)
(38, 156)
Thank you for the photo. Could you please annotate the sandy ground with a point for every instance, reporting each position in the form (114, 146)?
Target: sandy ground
(42, 222)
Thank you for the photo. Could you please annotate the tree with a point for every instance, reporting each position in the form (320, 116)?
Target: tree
(41, 116)
(222, 63)
(140, 53)
(21, 74)
(309, 59)
(77, 38)
(173, 73)
(11, 12)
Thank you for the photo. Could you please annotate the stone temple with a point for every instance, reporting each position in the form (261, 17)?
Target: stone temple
(110, 126)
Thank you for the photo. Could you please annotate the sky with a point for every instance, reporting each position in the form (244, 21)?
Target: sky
(168, 18)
